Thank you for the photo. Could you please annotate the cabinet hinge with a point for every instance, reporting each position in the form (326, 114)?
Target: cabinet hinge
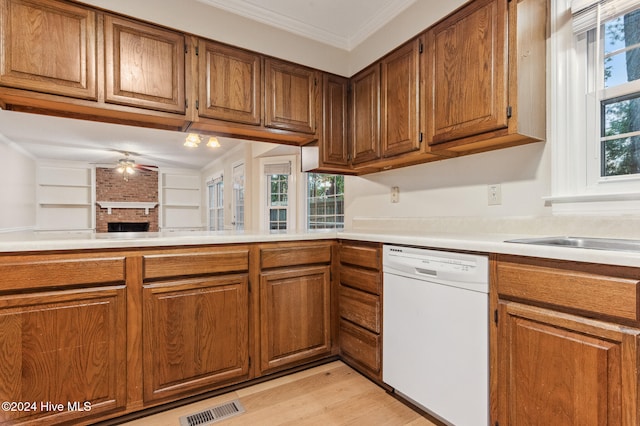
(509, 111)
(420, 138)
(348, 157)
(421, 48)
(197, 104)
(197, 50)
(249, 285)
(495, 316)
(186, 103)
(315, 82)
(186, 49)
(249, 362)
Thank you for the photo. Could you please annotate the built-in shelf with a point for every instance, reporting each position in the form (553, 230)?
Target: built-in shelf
(65, 204)
(125, 205)
(182, 206)
(181, 188)
(52, 185)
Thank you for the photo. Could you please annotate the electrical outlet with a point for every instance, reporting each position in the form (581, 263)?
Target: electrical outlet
(395, 194)
(494, 194)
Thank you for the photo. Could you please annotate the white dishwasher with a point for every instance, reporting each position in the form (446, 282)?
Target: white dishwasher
(436, 331)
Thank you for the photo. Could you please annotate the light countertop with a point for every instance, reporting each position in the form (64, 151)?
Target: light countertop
(481, 242)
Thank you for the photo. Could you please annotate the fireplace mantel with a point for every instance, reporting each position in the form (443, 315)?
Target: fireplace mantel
(125, 205)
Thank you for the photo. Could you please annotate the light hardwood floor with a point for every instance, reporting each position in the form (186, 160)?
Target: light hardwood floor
(331, 394)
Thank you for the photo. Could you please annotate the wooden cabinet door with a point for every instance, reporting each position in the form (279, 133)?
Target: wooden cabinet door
(295, 309)
(144, 65)
(229, 83)
(196, 335)
(468, 75)
(64, 348)
(559, 369)
(48, 46)
(334, 146)
(365, 115)
(400, 81)
(290, 96)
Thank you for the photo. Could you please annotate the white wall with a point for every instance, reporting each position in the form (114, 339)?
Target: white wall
(17, 193)
(456, 187)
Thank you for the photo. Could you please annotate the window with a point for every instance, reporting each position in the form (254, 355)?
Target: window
(595, 111)
(278, 200)
(325, 201)
(216, 204)
(238, 197)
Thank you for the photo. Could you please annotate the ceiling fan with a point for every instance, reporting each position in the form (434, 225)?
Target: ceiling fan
(127, 166)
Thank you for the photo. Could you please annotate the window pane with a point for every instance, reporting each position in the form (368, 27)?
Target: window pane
(622, 49)
(621, 116)
(621, 156)
(325, 206)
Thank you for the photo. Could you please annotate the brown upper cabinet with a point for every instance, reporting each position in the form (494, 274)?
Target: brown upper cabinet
(335, 147)
(365, 115)
(48, 47)
(400, 92)
(228, 83)
(291, 96)
(487, 76)
(144, 65)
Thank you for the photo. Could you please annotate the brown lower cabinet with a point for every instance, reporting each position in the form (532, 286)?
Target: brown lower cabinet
(295, 304)
(361, 307)
(566, 348)
(118, 331)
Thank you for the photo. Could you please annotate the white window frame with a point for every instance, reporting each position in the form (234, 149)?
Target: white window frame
(215, 206)
(575, 187)
(292, 195)
(238, 209)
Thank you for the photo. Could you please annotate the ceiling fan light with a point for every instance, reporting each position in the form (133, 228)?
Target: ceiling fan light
(120, 169)
(213, 142)
(192, 140)
(129, 169)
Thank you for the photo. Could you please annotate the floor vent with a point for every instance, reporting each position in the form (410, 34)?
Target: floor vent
(213, 414)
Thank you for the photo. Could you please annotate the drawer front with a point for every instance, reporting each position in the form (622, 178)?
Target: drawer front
(195, 263)
(48, 271)
(361, 346)
(361, 255)
(361, 279)
(294, 255)
(574, 289)
(360, 308)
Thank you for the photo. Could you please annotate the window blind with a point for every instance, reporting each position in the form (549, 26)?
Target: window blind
(277, 169)
(588, 13)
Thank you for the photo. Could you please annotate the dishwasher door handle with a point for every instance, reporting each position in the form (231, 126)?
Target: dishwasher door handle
(430, 272)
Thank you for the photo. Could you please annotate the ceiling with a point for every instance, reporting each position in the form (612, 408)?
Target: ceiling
(54, 138)
(341, 23)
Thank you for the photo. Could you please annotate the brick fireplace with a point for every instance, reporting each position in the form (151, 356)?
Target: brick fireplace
(142, 187)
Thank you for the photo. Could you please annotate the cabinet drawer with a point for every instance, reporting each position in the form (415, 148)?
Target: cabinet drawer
(361, 308)
(294, 255)
(47, 271)
(360, 255)
(579, 289)
(360, 345)
(361, 279)
(193, 263)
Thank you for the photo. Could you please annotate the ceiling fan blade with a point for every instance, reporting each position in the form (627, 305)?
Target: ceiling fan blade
(146, 165)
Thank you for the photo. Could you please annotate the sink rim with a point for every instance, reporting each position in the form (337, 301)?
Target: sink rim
(590, 243)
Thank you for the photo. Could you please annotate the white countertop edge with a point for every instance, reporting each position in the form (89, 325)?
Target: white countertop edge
(481, 243)
(495, 243)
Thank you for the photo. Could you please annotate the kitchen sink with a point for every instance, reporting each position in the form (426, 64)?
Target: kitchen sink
(581, 242)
